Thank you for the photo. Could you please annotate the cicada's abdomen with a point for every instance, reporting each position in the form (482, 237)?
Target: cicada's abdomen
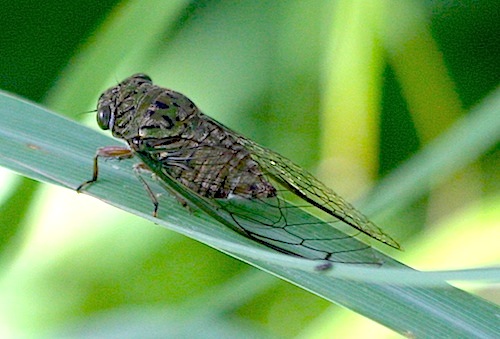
(213, 168)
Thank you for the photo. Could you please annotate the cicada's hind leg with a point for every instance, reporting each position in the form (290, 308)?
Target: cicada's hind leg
(117, 152)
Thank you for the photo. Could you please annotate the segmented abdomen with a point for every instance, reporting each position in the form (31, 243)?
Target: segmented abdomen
(210, 162)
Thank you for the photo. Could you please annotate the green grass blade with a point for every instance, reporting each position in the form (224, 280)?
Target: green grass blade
(49, 148)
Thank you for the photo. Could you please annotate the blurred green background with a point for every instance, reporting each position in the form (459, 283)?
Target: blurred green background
(347, 89)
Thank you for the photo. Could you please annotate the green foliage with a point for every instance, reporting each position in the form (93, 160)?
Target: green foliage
(349, 90)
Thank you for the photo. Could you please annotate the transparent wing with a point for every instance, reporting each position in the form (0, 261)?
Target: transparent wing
(288, 228)
(310, 189)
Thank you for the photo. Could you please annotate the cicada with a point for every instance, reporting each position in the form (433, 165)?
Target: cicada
(255, 191)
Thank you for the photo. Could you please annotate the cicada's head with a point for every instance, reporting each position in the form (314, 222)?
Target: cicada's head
(117, 104)
(137, 109)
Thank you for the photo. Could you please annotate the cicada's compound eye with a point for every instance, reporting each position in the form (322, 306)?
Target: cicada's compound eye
(104, 117)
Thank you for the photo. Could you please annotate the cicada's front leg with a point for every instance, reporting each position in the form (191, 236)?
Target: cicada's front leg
(117, 152)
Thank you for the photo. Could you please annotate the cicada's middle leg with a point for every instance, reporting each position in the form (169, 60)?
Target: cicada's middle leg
(117, 152)
(138, 169)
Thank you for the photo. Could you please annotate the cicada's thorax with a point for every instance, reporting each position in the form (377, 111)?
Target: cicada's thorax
(192, 148)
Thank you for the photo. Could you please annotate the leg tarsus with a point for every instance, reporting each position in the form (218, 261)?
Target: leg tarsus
(95, 173)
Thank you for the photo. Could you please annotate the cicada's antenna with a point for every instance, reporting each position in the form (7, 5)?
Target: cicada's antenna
(80, 114)
(87, 112)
